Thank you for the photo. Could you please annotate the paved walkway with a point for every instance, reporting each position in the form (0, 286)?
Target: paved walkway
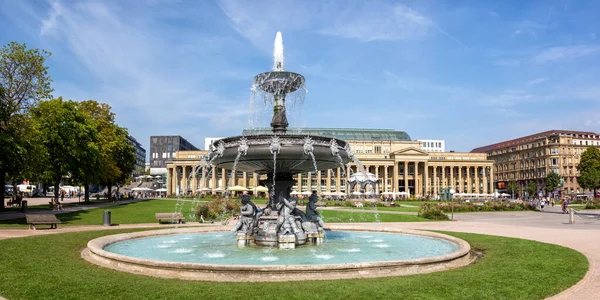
(550, 226)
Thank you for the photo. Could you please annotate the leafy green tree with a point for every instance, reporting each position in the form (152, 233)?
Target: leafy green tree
(114, 161)
(24, 81)
(552, 182)
(531, 188)
(513, 187)
(68, 137)
(589, 169)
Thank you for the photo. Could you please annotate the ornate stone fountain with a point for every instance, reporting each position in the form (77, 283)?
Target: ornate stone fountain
(280, 156)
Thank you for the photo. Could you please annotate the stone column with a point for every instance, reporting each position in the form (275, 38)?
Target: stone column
(245, 178)
(309, 181)
(469, 183)
(477, 180)
(319, 189)
(395, 177)
(426, 179)
(443, 184)
(169, 181)
(485, 181)
(417, 181)
(224, 179)
(338, 177)
(328, 180)
(299, 182)
(434, 186)
(255, 178)
(452, 184)
(184, 179)
(493, 186)
(385, 178)
(194, 180)
(461, 183)
(406, 177)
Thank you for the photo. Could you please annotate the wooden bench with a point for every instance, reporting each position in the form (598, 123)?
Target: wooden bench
(169, 217)
(42, 219)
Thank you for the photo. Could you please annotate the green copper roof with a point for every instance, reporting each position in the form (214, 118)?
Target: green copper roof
(342, 133)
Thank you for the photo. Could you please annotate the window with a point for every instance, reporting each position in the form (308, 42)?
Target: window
(553, 162)
(164, 155)
(174, 154)
(554, 151)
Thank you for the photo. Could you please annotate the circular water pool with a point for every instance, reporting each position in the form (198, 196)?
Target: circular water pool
(202, 253)
(340, 247)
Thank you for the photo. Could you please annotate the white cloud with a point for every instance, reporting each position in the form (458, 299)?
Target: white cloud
(565, 52)
(537, 81)
(380, 22)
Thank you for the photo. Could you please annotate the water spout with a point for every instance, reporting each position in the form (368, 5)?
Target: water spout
(278, 53)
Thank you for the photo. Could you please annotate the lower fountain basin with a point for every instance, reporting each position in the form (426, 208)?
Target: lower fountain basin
(202, 254)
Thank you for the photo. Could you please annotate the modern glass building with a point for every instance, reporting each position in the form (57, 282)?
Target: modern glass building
(349, 134)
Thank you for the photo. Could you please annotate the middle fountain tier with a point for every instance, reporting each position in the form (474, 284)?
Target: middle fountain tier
(280, 156)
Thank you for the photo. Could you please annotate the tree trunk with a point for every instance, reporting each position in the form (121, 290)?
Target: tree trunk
(109, 191)
(86, 192)
(56, 190)
(2, 179)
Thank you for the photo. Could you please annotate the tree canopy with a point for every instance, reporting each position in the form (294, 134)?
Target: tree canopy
(531, 188)
(552, 182)
(24, 81)
(589, 169)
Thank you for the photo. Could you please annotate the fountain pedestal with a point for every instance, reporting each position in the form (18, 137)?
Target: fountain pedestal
(245, 239)
(287, 241)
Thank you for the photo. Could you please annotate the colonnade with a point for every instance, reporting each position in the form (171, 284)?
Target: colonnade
(419, 178)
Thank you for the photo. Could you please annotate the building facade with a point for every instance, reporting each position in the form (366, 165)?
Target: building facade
(532, 157)
(164, 149)
(399, 164)
(140, 156)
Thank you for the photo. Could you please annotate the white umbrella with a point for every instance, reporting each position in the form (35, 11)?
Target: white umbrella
(294, 193)
(161, 190)
(356, 193)
(237, 188)
(340, 194)
(261, 188)
(306, 193)
(219, 189)
(137, 189)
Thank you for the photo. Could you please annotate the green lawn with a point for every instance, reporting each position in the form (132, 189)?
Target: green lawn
(131, 213)
(510, 269)
(335, 216)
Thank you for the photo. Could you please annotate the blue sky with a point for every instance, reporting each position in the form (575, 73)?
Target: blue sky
(470, 72)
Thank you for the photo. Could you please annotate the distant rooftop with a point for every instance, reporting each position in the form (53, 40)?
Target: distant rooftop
(342, 133)
(530, 138)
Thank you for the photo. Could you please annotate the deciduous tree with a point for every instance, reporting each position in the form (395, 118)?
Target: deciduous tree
(552, 182)
(531, 188)
(589, 169)
(24, 80)
(68, 137)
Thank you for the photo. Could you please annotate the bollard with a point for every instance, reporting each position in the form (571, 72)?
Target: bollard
(571, 216)
(106, 218)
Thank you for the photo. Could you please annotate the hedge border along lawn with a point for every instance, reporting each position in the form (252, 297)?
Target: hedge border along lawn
(50, 267)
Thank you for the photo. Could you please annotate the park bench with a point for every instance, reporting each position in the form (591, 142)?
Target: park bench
(42, 219)
(169, 217)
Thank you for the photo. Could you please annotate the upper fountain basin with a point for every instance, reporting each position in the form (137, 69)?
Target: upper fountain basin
(279, 81)
(291, 157)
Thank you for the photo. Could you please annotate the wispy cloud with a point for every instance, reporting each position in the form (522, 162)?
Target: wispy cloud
(537, 81)
(565, 52)
(378, 21)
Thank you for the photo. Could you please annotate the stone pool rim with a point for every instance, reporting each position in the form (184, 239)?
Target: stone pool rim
(96, 254)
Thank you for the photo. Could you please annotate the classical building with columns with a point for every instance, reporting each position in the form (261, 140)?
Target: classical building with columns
(399, 163)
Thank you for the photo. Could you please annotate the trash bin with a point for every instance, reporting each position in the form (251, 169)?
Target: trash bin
(106, 218)
(24, 206)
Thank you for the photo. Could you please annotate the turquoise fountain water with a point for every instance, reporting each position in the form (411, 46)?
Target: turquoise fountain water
(340, 247)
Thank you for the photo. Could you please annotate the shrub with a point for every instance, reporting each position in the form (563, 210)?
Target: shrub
(432, 212)
(485, 206)
(216, 208)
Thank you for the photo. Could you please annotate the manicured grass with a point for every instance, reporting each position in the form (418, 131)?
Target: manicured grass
(335, 216)
(130, 213)
(50, 267)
